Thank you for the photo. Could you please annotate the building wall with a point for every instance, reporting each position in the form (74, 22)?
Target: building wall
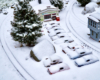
(94, 29)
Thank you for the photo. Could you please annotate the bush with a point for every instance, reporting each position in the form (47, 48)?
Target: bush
(57, 3)
(32, 55)
(84, 2)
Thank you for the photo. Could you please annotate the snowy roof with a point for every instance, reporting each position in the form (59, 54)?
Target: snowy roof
(42, 7)
(42, 49)
(95, 17)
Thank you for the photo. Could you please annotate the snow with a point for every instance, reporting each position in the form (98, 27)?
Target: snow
(72, 54)
(42, 49)
(93, 18)
(96, 16)
(37, 69)
(47, 62)
(55, 58)
(63, 45)
(71, 45)
(41, 7)
(54, 37)
(56, 68)
(90, 7)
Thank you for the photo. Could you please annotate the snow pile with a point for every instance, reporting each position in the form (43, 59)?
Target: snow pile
(89, 8)
(42, 49)
(95, 17)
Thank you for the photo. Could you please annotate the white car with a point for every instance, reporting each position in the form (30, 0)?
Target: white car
(85, 60)
(72, 45)
(54, 38)
(54, 59)
(59, 31)
(74, 54)
(63, 40)
(57, 68)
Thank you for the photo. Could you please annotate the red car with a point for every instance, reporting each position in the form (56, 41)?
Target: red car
(57, 68)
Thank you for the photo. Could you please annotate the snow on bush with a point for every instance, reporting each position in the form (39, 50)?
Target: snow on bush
(89, 8)
(97, 1)
(42, 49)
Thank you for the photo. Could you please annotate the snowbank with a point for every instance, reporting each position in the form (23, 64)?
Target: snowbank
(42, 49)
(90, 7)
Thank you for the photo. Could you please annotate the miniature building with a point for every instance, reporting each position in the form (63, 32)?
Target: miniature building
(94, 26)
(46, 13)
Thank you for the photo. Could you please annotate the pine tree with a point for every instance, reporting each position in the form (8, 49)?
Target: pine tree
(26, 24)
(57, 3)
(84, 2)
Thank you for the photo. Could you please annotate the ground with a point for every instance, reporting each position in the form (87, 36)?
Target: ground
(18, 65)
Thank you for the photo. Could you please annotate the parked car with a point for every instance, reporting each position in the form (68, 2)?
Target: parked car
(74, 54)
(59, 31)
(72, 45)
(63, 40)
(5, 12)
(83, 51)
(57, 68)
(63, 34)
(54, 38)
(0, 10)
(54, 59)
(85, 60)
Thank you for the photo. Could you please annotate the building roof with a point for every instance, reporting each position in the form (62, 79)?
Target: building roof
(43, 7)
(95, 17)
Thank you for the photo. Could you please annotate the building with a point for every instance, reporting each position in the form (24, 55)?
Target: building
(94, 26)
(46, 12)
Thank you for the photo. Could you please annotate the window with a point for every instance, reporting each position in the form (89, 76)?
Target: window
(61, 68)
(88, 60)
(92, 32)
(47, 16)
(91, 22)
(95, 25)
(96, 35)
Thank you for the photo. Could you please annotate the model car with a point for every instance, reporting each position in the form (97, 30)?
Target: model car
(5, 12)
(57, 68)
(54, 59)
(86, 60)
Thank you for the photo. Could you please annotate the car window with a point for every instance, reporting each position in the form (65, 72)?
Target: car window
(61, 68)
(87, 60)
(82, 52)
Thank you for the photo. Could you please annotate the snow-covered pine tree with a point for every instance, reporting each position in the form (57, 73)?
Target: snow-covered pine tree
(83, 2)
(26, 24)
(57, 3)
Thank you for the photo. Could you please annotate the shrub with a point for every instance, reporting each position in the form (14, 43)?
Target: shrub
(32, 55)
(83, 2)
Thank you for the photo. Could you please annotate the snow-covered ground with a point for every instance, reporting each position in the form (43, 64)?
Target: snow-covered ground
(7, 69)
(78, 23)
(32, 70)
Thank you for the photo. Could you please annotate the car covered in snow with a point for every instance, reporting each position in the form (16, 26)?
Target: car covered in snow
(57, 68)
(59, 31)
(5, 12)
(76, 54)
(64, 40)
(85, 60)
(54, 59)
